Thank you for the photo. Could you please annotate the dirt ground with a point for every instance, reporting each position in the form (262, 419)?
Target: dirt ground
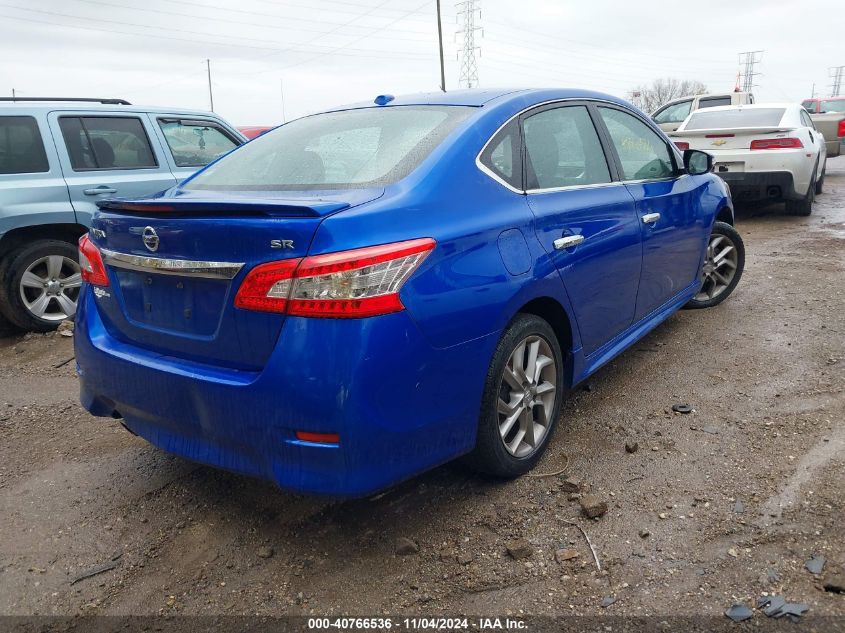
(715, 507)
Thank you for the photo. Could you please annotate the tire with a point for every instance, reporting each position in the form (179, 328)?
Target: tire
(713, 289)
(51, 263)
(491, 454)
(820, 181)
(804, 206)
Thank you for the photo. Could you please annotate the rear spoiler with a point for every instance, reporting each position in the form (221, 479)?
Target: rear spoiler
(732, 130)
(209, 207)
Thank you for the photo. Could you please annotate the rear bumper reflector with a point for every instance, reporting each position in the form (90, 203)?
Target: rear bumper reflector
(165, 266)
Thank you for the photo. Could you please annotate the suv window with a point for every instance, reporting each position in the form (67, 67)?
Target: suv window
(644, 155)
(712, 102)
(501, 156)
(674, 113)
(21, 147)
(562, 149)
(107, 143)
(195, 143)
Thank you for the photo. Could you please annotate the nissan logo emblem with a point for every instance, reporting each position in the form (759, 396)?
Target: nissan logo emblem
(150, 238)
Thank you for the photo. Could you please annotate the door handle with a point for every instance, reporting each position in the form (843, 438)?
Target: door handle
(568, 242)
(651, 218)
(96, 191)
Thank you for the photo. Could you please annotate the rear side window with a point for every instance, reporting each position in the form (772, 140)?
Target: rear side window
(674, 113)
(806, 120)
(643, 154)
(740, 117)
(335, 150)
(195, 143)
(810, 105)
(562, 149)
(95, 143)
(712, 102)
(501, 156)
(21, 147)
(833, 105)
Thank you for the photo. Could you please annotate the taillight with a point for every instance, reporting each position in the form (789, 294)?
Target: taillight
(777, 143)
(682, 145)
(349, 284)
(91, 263)
(840, 131)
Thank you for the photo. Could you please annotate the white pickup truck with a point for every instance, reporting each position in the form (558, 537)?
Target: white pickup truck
(670, 115)
(828, 115)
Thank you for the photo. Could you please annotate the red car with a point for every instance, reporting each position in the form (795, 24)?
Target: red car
(251, 131)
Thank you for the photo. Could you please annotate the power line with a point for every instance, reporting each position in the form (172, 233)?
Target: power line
(467, 15)
(836, 73)
(747, 61)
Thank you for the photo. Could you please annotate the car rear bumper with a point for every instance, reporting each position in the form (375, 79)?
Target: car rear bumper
(752, 186)
(399, 405)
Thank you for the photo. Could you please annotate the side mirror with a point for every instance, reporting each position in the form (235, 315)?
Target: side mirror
(697, 162)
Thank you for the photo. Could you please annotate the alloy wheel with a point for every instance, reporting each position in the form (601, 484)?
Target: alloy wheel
(527, 395)
(719, 268)
(50, 286)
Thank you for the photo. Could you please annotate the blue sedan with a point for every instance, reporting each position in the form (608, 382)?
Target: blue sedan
(362, 294)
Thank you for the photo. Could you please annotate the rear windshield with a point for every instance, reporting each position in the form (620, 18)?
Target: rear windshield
(335, 150)
(833, 105)
(746, 117)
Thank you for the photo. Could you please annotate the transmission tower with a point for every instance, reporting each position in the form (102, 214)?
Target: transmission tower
(836, 73)
(747, 61)
(469, 15)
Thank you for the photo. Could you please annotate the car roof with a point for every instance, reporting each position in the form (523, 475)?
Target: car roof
(53, 106)
(478, 97)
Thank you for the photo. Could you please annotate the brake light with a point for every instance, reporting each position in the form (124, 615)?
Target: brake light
(91, 263)
(682, 145)
(318, 438)
(349, 284)
(840, 131)
(777, 143)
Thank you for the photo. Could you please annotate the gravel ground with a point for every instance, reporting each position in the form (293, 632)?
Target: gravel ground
(715, 507)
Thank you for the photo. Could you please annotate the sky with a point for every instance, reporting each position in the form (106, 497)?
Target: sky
(273, 60)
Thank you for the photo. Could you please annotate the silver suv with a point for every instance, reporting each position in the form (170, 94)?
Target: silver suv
(58, 157)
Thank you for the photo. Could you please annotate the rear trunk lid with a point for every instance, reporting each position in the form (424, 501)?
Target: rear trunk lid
(175, 264)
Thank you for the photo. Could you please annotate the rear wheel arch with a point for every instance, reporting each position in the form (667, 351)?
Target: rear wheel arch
(551, 311)
(16, 238)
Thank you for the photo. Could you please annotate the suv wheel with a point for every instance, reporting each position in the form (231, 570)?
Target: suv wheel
(39, 285)
(723, 266)
(522, 399)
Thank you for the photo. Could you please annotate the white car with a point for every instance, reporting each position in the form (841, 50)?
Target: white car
(766, 151)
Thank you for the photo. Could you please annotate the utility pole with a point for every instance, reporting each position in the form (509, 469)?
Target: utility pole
(13, 94)
(813, 91)
(836, 73)
(210, 94)
(467, 14)
(747, 61)
(440, 41)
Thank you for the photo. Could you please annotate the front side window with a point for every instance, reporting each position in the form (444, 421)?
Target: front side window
(674, 113)
(712, 102)
(501, 156)
(562, 149)
(336, 150)
(195, 143)
(810, 105)
(99, 143)
(644, 155)
(21, 147)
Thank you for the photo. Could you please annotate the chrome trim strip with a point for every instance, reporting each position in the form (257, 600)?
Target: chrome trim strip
(165, 266)
(597, 185)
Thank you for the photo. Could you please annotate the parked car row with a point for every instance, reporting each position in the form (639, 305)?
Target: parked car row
(58, 157)
(362, 294)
